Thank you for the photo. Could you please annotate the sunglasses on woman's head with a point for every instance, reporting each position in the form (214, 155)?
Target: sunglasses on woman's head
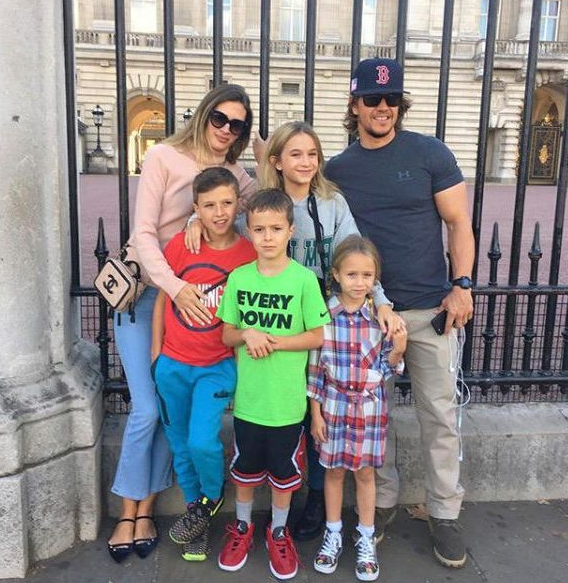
(392, 99)
(219, 120)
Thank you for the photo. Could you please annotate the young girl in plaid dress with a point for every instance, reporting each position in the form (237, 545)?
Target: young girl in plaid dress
(346, 387)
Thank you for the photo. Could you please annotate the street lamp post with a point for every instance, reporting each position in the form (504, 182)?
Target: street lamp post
(98, 114)
(187, 114)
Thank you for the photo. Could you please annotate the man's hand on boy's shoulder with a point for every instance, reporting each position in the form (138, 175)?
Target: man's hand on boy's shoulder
(259, 344)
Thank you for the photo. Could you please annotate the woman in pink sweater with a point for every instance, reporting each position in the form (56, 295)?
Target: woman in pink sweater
(216, 135)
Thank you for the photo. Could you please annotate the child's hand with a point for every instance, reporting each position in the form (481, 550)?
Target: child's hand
(259, 344)
(399, 341)
(398, 347)
(193, 233)
(389, 321)
(318, 428)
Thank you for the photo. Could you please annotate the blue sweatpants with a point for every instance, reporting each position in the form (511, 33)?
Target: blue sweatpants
(192, 400)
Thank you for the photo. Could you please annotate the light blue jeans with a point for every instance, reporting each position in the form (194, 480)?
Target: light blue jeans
(145, 464)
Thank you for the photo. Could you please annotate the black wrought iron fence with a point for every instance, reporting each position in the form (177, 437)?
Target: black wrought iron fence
(517, 343)
(538, 368)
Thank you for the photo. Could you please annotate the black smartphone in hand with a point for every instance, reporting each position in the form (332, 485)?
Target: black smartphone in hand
(439, 322)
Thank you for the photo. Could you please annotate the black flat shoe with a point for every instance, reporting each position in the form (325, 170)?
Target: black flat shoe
(144, 546)
(120, 551)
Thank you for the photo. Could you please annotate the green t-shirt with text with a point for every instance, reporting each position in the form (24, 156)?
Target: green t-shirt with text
(272, 390)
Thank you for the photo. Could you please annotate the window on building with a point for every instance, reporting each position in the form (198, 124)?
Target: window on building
(369, 21)
(292, 22)
(103, 10)
(143, 16)
(290, 88)
(483, 18)
(549, 19)
(227, 25)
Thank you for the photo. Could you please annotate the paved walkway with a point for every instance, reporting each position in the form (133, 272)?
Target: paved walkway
(99, 198)
(513, 542)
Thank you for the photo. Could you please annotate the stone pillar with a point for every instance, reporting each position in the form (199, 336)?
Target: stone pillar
(50, 394)
(466, 20)
(524, 22)
(418, 18)
(418, 24)
(466, 16)
(246, 19)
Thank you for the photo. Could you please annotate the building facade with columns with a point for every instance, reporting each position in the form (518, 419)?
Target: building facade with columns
(94, 22)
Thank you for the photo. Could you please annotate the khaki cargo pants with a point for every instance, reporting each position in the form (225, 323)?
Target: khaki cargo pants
(431, 362)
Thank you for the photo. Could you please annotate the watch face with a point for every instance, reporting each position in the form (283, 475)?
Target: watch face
(463, 282)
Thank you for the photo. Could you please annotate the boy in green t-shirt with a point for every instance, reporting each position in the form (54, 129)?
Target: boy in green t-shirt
(274, 314)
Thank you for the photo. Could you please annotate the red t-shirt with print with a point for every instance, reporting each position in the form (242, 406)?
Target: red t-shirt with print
(196, 344)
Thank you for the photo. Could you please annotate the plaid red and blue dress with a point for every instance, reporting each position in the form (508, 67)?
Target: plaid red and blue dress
(347, 376)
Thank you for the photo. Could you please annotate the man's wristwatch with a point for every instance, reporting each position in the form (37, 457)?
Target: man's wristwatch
(464, 282)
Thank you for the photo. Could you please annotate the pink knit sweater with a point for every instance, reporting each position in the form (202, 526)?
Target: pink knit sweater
(163, 203)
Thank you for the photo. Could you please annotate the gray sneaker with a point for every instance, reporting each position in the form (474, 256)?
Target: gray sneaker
(197, 549)
(384, 517)
(196, 520)
(447, 540)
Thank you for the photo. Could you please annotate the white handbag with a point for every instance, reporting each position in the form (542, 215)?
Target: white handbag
(119, 282)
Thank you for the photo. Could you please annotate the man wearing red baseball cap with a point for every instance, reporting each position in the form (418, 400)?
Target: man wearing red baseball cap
(401, 186)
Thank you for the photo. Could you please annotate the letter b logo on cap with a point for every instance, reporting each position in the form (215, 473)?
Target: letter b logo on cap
(377, 76)
(382, 75)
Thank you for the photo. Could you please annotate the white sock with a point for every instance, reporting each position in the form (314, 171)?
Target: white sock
(367, 531)
(279, 516)
(334, 526)
(244, 511)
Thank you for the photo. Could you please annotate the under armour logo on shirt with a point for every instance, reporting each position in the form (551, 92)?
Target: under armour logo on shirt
(404, 175)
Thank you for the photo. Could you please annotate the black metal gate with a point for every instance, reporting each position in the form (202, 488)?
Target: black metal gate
(517, 343)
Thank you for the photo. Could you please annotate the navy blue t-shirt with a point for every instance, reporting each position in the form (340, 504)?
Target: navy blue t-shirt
(390, 191)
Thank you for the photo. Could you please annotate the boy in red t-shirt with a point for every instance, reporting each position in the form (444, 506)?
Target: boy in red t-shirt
(194, 371)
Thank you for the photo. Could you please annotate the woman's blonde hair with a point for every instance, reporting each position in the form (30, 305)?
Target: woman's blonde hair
(270, 177)
(192, 137)
(356, 244)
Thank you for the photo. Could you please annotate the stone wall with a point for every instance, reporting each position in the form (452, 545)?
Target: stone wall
(50, 390)
(510, 452)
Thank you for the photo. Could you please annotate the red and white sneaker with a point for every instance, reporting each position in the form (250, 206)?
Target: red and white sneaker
(283, 557)
(234, 553)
